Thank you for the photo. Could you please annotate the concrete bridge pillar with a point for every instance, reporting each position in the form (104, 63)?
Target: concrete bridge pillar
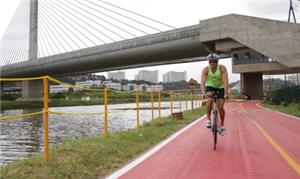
(252, 85)
(33, 90)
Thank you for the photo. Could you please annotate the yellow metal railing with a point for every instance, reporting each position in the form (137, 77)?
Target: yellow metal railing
(46, 115)
(105, 91)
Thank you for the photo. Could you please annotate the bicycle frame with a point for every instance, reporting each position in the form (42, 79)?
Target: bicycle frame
(215, 121)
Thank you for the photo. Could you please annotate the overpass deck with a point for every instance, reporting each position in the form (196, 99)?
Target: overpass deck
(259, 144)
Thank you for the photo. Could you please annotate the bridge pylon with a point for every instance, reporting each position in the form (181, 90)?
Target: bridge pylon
(33, 90)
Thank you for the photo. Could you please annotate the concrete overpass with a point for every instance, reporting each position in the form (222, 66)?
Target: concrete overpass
(230, 35)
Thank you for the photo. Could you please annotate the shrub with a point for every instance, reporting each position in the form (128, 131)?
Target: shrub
(10, 97)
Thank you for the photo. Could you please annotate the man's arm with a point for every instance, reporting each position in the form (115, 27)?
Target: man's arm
(203, 81)
(225, 80)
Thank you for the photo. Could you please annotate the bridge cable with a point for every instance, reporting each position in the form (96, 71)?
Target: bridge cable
(65, 33)
(118, 19)
(138, 14)
(7, 38)
(64, 23)
(43, 45)
(98, 23)
(5, 56)
(24, 45)
(82, 25)
(106, 20)
(42, 29)
(11, 56)
(55, 30)
(61, 18)
(92, 21)
(61, 11)
(43, 40)
(127, 17)
(46, 26)
(58, 24)
(41, 50)
(49, 34)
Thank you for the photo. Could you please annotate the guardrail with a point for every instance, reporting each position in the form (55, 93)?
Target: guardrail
(105, 91)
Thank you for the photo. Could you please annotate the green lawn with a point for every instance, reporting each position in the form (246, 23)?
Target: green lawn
(93, 157)
(288, 108)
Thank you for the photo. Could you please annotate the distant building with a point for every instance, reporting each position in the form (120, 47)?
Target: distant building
(120, 75)
(173, 76)
(116, 86)
(129, 87)
(11, 90)
(89, 83)
(143, 87)
(58, 88)
(155, 88)
(151, 76)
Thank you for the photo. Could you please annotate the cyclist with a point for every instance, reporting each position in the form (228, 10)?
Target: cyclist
(214, 78)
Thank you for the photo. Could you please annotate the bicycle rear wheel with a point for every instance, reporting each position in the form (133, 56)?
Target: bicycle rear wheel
(215, 129)
(215, 137)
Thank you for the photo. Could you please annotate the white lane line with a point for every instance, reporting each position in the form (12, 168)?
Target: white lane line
(134, 163)
(277, 111)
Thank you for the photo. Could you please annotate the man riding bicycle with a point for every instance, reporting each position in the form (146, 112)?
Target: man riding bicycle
(214, 79)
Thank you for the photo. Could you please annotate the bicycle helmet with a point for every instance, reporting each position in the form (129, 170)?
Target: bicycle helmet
(213, 56)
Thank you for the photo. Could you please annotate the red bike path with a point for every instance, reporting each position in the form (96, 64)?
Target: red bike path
(259, 144)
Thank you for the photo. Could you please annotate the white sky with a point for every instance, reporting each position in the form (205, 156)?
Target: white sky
(179, 13)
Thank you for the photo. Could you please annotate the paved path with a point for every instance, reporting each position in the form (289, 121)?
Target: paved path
(259, 144)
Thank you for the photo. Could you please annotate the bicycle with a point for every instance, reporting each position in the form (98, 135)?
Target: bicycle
(215, 123)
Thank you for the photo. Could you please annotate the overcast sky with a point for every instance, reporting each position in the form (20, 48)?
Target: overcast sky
(179, 13)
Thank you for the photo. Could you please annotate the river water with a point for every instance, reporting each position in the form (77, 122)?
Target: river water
(22, 137)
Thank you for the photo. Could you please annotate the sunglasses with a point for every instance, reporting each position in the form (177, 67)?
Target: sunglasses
(213, 61)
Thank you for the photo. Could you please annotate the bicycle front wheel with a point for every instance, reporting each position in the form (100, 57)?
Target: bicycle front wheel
(215, 129)
(215, 132)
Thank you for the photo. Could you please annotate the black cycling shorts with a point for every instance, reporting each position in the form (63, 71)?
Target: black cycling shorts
(219, 91)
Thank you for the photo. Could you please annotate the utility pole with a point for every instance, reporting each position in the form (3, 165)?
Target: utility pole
(291, 9)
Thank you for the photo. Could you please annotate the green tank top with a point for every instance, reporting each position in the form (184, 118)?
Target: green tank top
(214, 79)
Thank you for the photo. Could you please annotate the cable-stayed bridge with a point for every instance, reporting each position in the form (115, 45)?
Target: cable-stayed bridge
(70, 37)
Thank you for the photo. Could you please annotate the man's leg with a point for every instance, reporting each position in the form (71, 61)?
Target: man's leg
(209, 107)
(221, 110)
(222, 115)
(209, 92)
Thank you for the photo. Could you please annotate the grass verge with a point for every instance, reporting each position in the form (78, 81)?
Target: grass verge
(94, 157)
(288, 108)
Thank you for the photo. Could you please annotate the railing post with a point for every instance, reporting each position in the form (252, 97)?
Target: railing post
(105, 112)
(200, 102)
(192, 101)
(137, 109)
(171, 103)
(186, 102)
(46, 114)
(152, 110)
(196, 102)
(179, 102)
(159, 105)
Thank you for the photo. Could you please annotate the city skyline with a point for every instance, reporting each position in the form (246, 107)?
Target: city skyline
(121, 74)
(190, 68)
